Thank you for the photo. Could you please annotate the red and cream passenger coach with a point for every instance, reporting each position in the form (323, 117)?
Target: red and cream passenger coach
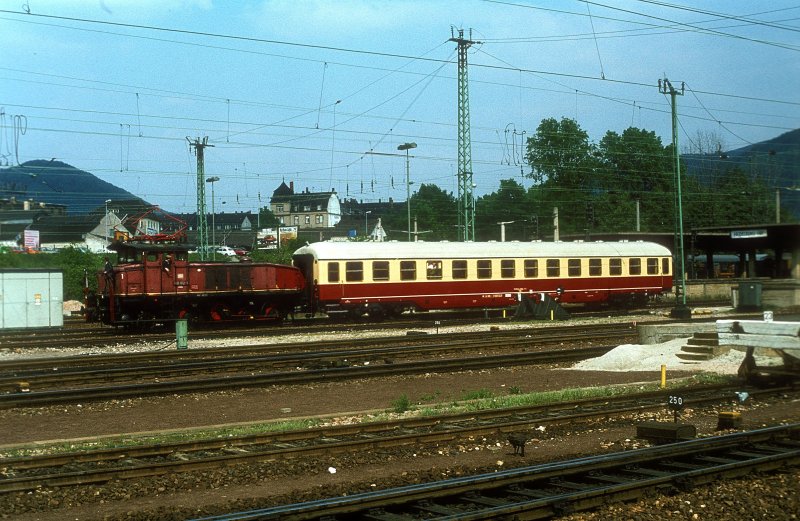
(385, 278)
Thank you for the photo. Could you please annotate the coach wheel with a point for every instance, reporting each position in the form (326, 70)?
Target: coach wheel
(376, 312)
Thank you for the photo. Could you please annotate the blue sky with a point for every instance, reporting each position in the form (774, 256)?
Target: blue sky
(115, 87)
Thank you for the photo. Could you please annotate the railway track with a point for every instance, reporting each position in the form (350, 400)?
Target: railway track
(191, 382)
(97, 335)
(135, 462)
(548, 490)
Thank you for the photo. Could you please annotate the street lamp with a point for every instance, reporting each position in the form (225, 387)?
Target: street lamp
(407, 147)
(105, 223)
(503, 229)
(366, 222)
(213, 180)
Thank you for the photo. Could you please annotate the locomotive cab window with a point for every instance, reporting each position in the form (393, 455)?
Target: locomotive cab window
(484, 269)
(182, 256)
(459, 269)
(595, 267)
(433, 269)
(380, 270)
(354, 271)
(553, 268)
(574, 267)
(615, 266)
(508, 268)
(531, 268)
(652, 266)
(635, 266)
(333, 272)
(152, 256)
(408, 270)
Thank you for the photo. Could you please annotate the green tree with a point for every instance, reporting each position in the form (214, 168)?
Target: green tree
(560, 152)
(267, 219)
(509, 203)
(635, 167)
(436, 210)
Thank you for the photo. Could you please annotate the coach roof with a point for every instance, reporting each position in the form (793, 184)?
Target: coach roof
(478, 250)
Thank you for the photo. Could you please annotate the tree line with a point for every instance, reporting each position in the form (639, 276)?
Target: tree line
(597, 188)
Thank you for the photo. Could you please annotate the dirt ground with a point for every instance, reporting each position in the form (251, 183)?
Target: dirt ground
(312, 478)
(181, 412)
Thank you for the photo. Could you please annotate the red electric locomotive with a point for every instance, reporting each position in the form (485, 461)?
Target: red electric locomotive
(386, 278)
(154, 280)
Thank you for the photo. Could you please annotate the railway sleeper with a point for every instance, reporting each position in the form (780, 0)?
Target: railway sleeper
(434, 508)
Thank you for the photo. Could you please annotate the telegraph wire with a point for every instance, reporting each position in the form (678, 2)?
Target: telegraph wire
(361, 51)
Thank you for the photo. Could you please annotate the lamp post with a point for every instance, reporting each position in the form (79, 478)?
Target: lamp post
(407, 147)
(105, 225)
(366, 222)
(213, 180)
(503, 228)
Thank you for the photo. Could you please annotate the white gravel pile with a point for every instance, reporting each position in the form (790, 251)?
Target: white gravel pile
(650, 357)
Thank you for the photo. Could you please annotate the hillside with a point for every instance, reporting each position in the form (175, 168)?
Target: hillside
(775, 162)
(55, 182)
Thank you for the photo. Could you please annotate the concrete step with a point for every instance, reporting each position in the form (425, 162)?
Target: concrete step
(698, 357)
(703, 341)
(702, 346)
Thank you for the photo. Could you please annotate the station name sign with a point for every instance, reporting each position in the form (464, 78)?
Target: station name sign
(748, 234)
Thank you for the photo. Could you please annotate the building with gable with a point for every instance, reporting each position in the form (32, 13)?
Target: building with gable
(306, 210)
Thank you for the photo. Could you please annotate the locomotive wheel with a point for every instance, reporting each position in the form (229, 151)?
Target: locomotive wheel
(188, 315)
(272, 313)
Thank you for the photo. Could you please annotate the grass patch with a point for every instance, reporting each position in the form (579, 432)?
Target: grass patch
(480, 394)
(402, 404)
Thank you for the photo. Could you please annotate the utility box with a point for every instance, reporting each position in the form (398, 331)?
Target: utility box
(749, 296)
(31, 298)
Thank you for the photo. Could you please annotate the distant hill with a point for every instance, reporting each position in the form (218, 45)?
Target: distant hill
(55, 182)
(775, 162)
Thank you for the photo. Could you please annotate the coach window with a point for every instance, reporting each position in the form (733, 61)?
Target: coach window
(531, 268)
(665, 266)
(333, 272)
(380, 270)
(484, 269)
(508, 268)
(635, 266)
(459, 269)
(553, 268)
(433, 269)
(354, 271)
(574, 267)
(615, 266)
(652, 266)
(408, 270)
(595, 267)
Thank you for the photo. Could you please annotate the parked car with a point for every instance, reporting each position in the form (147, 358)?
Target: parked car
(227, 251)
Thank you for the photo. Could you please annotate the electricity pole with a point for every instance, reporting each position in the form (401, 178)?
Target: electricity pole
(202, 221)
(466, 200)
(680, 310)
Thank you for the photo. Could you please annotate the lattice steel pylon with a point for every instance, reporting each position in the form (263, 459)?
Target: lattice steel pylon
(466, 198)
(202, 221)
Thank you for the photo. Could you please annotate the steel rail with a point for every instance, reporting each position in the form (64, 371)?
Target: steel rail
(74, 376)
(541, 334)
(26, 473)
(37, 398)
(543, 491)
